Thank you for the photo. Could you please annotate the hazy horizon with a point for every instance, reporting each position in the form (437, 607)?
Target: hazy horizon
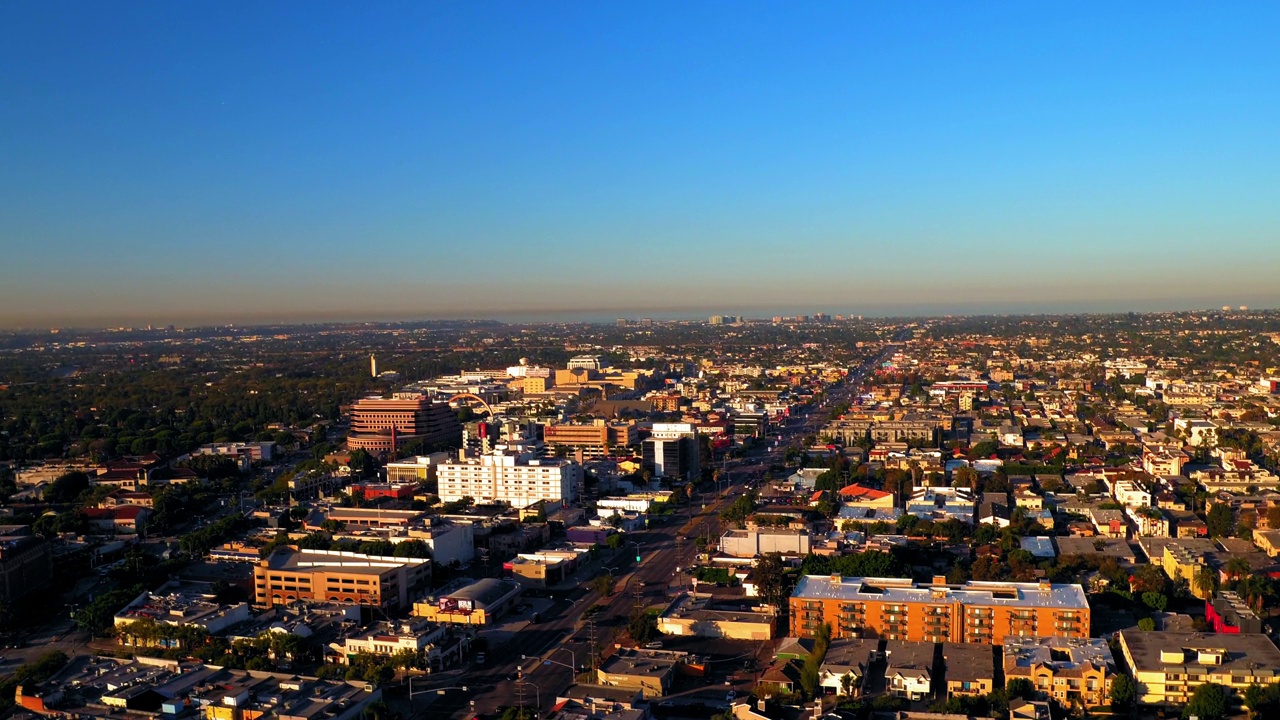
(201, 163)
(632, 315)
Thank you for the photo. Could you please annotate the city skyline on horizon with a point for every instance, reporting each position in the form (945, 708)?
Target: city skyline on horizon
(179, 164)
(633, 317)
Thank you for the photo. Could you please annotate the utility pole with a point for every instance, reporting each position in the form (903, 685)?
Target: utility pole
(591, 636)
(520, 696)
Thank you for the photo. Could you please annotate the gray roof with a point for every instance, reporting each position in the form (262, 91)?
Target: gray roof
(1010, 594)
(486, 591)
(1244, 652)
(1059, 653)
(968, 662)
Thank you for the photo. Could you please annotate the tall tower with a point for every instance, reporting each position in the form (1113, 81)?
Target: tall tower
(373, 366)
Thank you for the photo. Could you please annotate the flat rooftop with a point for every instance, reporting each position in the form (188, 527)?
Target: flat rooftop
(1059, 653)
(1243, 652)
(903, 590)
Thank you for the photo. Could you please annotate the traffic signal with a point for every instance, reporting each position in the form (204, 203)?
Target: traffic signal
(637, 556)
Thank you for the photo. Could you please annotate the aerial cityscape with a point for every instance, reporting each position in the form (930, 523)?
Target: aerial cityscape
(701, 361)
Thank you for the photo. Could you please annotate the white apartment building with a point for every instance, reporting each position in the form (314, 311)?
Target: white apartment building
(1130, 493)
(509, 478)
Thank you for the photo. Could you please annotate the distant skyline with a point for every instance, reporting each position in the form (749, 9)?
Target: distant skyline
(195, 163)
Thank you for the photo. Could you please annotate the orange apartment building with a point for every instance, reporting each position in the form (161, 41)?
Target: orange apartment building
(289, 575)
(898, 609)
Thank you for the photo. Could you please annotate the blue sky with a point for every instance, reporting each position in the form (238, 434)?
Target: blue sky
(211, 161)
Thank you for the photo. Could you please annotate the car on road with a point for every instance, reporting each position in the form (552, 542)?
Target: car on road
(730, 696)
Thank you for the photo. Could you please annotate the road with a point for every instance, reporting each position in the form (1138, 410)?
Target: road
(566, 638)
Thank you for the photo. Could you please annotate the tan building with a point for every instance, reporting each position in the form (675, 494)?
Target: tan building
(697, 615)
(1169, 666)
(899, 609)
(475, 603)
(1073, 671)
(289, 575)
(648, 671)
(970, 670)
(379, 425)
(753, 542)
(595, 439)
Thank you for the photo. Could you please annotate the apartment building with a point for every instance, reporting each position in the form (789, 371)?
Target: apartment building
(1073, 671)
(1169, 666)
(289, 575)
(380, 425)
(517, 480)
(899, 609)
(942, 503)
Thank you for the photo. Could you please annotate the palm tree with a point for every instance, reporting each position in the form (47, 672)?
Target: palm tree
(1237, 567)
(1205, 581)
(846, 684)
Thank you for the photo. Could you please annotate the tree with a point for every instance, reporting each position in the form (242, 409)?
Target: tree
(1210, 701)
(965, 477)
(846, 684)
(1220, 521)
(1273, 517)
(1155, 600)
(642, 627)
(1147, 624)
(1020, 688)
(771, 580)
(66, 488)
(1123, 693)
(1263, 700)
(1237, 567)
(1205, 581)
(603, 584)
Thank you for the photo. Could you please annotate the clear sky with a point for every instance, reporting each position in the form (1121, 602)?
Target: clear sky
(236, 161)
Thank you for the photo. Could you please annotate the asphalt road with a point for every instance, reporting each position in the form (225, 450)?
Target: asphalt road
(553, 647)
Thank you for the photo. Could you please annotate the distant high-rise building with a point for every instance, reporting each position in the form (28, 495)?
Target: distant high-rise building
(646, 322)
(373, 366)
(622, 322)
(716, 320)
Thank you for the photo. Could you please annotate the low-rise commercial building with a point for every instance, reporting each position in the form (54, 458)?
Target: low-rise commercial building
(698, 616)
(649, 671)
(470, 602)
(289, 575)
(176, 605)
(388, 639)
(753, 542)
